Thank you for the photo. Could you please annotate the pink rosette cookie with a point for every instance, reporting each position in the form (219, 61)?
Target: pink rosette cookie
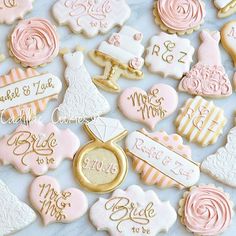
(206, 210)
(34, 42)
(179, 16)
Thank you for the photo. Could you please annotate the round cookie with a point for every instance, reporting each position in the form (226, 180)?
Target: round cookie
(206, 210)
(34, 42)
(179, 16)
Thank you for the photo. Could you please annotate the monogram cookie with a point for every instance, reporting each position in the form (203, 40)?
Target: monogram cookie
(91, 17)
(169, 55)
(78, 104)
(132, 212)
(162, 159)
(24, 94)
(148, 107)
(14, 215)
(11, 10)
(221, 165)
(101, 165)
(200, 121)
(208, 77)
(36, 147)
(55, 205)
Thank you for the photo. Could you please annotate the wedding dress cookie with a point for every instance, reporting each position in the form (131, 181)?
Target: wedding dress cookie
(82, 99)
(14, 214)
(91, 16)
(208, 77)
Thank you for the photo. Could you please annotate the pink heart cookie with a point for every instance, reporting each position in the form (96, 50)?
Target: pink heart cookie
(148, 107)
(55, 205)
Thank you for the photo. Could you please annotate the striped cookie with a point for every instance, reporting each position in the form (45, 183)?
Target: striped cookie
(200, 121)
(162, 159)
(23, 94)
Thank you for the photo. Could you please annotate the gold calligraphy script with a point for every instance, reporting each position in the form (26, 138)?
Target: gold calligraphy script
(9, 4)
(53, 203)
(123, 210)
(26, 144)
(149, 105)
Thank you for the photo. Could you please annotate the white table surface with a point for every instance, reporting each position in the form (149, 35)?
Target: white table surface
(143, 20)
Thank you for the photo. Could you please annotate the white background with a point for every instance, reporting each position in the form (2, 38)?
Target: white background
(142, 19)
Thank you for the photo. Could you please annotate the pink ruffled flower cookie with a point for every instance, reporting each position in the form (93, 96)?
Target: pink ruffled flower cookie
(34, 42)
(179, 16)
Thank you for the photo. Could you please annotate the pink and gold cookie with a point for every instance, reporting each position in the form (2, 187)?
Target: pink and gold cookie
(55, 205)
(11, 10)
(34, 42)
(206, 210)
(162, 159)
(179, 16)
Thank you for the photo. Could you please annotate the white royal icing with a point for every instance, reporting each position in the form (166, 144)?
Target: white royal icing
(222, 3)
(82, 99)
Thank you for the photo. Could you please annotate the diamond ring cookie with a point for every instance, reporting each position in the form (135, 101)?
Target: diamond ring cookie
(206, 210)
(78, 104)
(169, 55)
(11, 10)
(36, 147)
(55, 205)
(14, 215)
(162, 159)
(91, 17)
(221, 165)
(179, 16)
(24, 94)
(120, 55)
(101, 165)
(148, 107)
(132, 212)
(34, 42)
(200, 121)
(208, 77)
(225, 7)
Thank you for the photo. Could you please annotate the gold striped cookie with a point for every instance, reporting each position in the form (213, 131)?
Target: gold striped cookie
(162, 159)
(23, 94)
(200, 121)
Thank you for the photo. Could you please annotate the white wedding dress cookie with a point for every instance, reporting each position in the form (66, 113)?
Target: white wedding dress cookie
(82, 99)
(14, 214)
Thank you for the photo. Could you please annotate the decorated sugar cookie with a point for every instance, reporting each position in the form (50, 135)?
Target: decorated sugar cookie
(11, 10)
(225, 7)
(228, 38)
(221, 165)
(148, 107)
(24, 94)
(91, 17)
(101, 165)
(132, 212)
(120, 55)
(208, 77)
(14, 215)
(36, 147)
(34, 42)
(178, 16)
(200, 121)
(82, 99)
(206, 210)
(162, 159)
(169, 55)
(55, 205)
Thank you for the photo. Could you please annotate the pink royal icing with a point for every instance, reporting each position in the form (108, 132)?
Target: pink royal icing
(181, 15)
(207, 77)
(55, 205)
(34, 42)
(207, 211)
(37, 147)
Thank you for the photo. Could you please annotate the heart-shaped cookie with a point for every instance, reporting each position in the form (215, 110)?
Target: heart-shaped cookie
(148, 107)
(55, 205)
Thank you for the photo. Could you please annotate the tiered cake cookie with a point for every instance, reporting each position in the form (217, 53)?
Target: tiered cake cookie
(121, 55)
(226, 7)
